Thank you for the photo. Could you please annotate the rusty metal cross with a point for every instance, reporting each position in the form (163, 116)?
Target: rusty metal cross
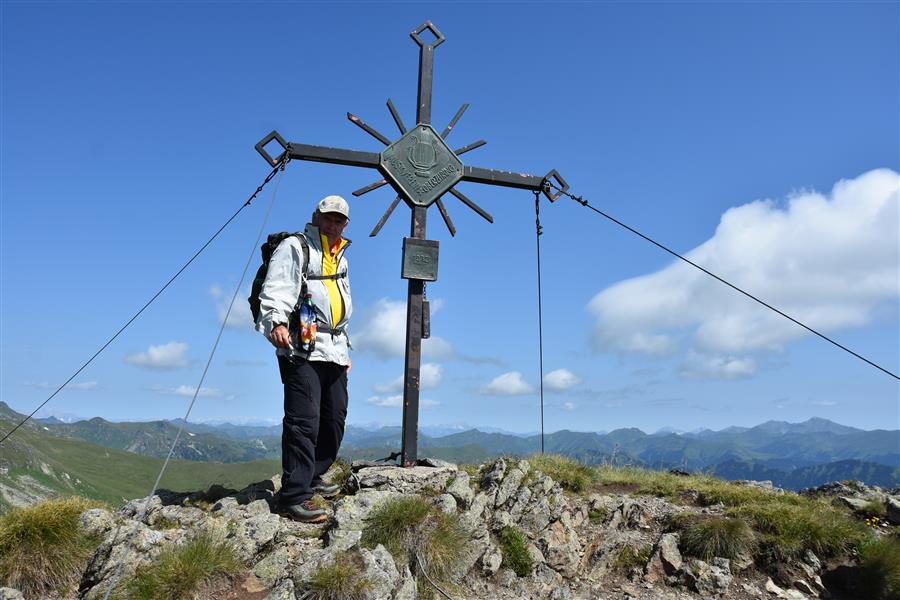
(421, 168)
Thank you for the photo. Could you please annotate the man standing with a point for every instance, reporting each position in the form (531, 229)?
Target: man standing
(315, 380)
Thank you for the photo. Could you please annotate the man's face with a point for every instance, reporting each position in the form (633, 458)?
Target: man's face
(332, 225)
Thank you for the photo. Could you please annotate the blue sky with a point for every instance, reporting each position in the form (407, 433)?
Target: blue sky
(762, 139)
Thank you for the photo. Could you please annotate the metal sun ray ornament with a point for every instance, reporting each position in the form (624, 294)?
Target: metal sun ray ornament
(421, 168)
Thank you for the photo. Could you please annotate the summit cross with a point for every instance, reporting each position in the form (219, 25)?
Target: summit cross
(421, 168)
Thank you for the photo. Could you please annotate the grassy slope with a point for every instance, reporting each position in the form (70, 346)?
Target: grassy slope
(111, 475)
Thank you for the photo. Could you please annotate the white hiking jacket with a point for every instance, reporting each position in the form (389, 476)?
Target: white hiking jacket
(281, 293)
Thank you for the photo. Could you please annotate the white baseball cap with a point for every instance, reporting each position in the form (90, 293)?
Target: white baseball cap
(334, 204)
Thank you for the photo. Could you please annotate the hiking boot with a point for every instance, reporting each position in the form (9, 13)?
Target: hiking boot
(305, 512)
(326, 490)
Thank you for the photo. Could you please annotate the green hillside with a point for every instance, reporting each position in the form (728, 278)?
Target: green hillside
(36, 464)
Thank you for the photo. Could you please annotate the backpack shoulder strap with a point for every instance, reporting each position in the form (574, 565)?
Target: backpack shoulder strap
(304, 244)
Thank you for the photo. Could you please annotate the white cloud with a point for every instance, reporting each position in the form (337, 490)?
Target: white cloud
(164, 357)
(569, 406)
(507, 384)
(700, 366)
(384, 333)
(561, 380)
(46, 385)
(397, 400)
(240, 316)
(188, 391)
(831, 262)
(430, 375)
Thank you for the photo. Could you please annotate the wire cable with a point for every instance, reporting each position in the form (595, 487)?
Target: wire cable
(150, 301)
(539, 230)
(423, 567)
(586, 204)
(212, 353)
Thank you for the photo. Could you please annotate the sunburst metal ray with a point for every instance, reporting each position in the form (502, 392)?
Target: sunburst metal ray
(462, 197)
(447, 220)
(453, 121)
(385, 217)
(370, 187)
(396, 116)
(471, 146)
(368, 129)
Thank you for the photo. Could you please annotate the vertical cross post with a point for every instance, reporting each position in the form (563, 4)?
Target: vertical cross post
(415, 291)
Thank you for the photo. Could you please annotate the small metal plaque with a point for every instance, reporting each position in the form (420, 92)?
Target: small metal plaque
(420, 166)
(420, 259)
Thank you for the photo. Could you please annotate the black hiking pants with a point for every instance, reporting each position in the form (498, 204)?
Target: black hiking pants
(315, 408)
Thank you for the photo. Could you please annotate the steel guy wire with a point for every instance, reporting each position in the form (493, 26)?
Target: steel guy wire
(586, 204)
(279, 166)
(424, 569)
(212, 353)
(539, 230)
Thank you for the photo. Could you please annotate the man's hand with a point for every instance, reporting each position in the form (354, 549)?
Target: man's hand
(280, 337)
(349, 366)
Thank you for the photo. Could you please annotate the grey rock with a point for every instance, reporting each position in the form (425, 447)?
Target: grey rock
(403, 480)
(892, 503)
(494, 474)
(511, 482)
(708, 579)
(805, 587)
(461, 489)
(537, 557)
(491, 561)
(407, 589)
(350, 513)
(381, 572)
(447, 503)
(255, 533)
(669, 554)
(96, 522)
(257, 507)
(274, 567)
(854, 504)
(284, 591)
(7, 593)
(812, 560)
(561, 593)
(561, 547)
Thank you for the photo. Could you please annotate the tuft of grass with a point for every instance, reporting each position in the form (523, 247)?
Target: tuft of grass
(411, 527)
(875, 508)
(42, 549)
(514, 549)
(598, 515)
(631, 557)
(718, 536)
(341, 473)
(880, 568)
(570, 474)
(786, 530)
(341, 580)
(179, 570)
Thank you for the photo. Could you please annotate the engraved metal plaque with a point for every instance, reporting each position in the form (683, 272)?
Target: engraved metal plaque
(420, 166)
(420, 259)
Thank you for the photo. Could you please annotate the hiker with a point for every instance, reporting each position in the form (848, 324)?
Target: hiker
(314, 362)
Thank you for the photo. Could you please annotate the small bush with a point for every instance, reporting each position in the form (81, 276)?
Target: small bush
(718, 536)
(410, 527)
(179, 570)
(514, 549)
(631, 557)
(341, 580)
(571, 474)
(42, 549)
(880, 568)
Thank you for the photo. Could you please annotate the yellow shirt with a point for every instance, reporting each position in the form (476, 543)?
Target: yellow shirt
(329, 267)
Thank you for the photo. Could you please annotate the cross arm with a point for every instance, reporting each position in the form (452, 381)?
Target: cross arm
(337, 156)
(516, 180)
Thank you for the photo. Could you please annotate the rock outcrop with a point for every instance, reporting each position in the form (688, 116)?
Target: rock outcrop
(599, 546)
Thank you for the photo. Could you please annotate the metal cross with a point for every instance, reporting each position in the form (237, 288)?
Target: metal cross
(421, 168)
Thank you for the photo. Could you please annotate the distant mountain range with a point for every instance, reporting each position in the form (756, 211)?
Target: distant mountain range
(791, 455)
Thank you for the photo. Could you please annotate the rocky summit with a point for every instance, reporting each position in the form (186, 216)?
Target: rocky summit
(606, 542)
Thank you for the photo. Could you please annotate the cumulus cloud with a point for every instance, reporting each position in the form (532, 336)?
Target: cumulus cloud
(162, 358)
(240, 316)
(397, 400)
(508, 384)
(83, 386)
(829, 261)
(188, 391)
(561, 380)
(700, 366)
(382, 331)
(430, 375)
(569, 406)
